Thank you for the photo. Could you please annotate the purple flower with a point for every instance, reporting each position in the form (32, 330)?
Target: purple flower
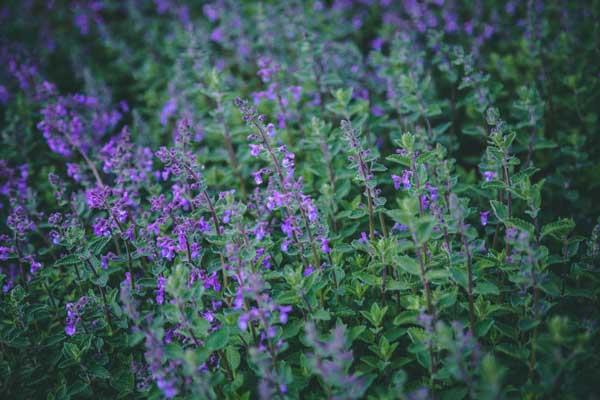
(489, 176)
(283, 313)
(398, 227)
(105, 259)
(377, 111)
(34, 266)
(377, 43)
(308, 270)
(211, 12)
(433, 192)
(217, 35)
(403, 180)
(243, 321)
(160, 290)
(255, 150)
(483, 217)
(363, 237)
(296, 92)
(271, 130)
(325, 246)
(74, 311)
(258, 177)
(74, 172)
(212, 281)
(167, 247)
(4, 94)
(425, 202)
(101, 227)
(397, 181)
(168, 110)
(97, 197)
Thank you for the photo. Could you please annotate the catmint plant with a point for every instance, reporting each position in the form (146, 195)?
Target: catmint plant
(404, 207)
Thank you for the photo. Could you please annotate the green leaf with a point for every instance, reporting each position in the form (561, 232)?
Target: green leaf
(558, 229)
(482, 327)
(457, 393)
(409, 265)
(397, 158)
(71, 259)
(123, 382)
(500, 210)
(424, 229)
(99, 371)
(218, 339)
(98, 244)
(485, 288)
(527, 324)
(233, 357)
(459, 277)
(71, 351)
(521, 224)
(322, 314)
(406, 318)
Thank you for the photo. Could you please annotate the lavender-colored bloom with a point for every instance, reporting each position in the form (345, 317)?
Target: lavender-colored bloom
(255, 149)
(483, 217)
(489, 176)
(398, 227)
(74, 311)
(283, 313)
(281, 121)
(101, 227)
(468, 27)
(4, 94)
(105, 259)
(377, 111)
(97, 197)
(217, 35)
(74, 172)
(243, 321)
(363, 237)
(325, 246)
(34, 265)
(308, 270)
(167, 247)
(160, 290)
(425, 202)
(397, 181)
(258, 177)
(403, 180)
(212, 282)
(5, 253)
(296, 92)
(211, 12)
(377, 43)
(19, 221)
(168, 110)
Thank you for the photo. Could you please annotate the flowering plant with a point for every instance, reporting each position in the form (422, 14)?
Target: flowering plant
(318, 199)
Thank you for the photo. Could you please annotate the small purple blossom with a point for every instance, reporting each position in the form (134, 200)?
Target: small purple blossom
(483, 217)
(160, 290)
(489, 176)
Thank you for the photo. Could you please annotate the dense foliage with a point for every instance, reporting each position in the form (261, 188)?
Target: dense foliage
(299, 199)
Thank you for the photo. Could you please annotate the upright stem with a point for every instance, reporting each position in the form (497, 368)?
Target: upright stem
(19, 260)
(330, 173)
(363, 171)
(129, 260)
(101, 289)
(282, 185)
(430, 308)
(470, 277)
(229, 145)
(509, 197)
